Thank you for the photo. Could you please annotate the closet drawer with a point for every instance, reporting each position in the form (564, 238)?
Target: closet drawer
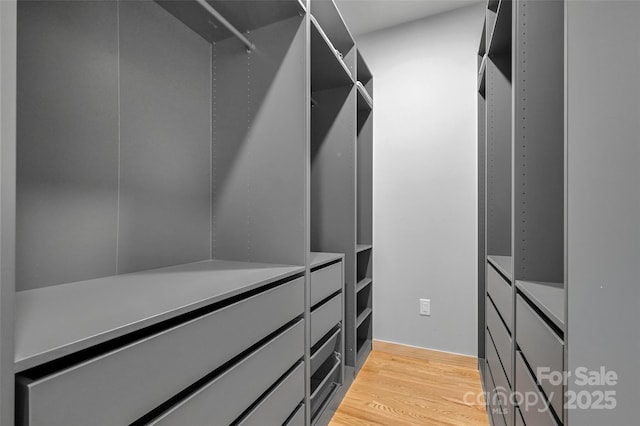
(501, 338)
(297, 418)
(519, 421)
(493, 405)
(325, 351)
(227, 396)
(500, 292)
(275, 408)
(533, 414)
(541, 347)
(502, 387)
(123, 385)
(325, 317)
(325, 281)
(323, 384)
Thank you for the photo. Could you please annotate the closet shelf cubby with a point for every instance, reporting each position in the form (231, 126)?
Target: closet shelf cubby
(365, 102)
(362, 284)
(328, 69)
(500, 37)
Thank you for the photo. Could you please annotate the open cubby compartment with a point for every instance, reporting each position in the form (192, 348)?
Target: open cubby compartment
(364, 340)
(490, 20)
(364, 300)
(333, 188)
(145, 143)
(498, 95)
(499, 38)
(364, 264)
(539, 142)
(328, 69)
(329, 18)
(364, 167)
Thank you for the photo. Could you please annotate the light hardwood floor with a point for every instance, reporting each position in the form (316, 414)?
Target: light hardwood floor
(401, 385)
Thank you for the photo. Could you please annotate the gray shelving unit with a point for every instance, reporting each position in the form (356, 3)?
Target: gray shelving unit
(155, 193)
(545, 212)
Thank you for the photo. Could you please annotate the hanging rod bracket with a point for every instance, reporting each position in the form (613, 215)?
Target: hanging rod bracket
(213, 12)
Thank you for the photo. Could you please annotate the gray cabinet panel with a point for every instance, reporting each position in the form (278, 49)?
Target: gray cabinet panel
(325, 317)
(279, 403)
(325, 281)
(501, 338)
(67, 150)
(227, 396)
(502, 392)
(325, 351)
(493, 405)
(534, 414)
(297, 419)
(123, 385)
(500, 292)
(541, 347)
(519, 420)
(165, 140)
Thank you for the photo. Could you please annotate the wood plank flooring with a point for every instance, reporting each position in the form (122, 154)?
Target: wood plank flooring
(405, 386)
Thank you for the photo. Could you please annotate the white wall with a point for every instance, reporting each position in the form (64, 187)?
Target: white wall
(425, 179)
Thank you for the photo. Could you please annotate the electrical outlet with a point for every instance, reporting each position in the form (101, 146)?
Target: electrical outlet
(425, 307)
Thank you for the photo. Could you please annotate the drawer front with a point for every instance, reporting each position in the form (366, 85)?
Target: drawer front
(123, 385)
(535, 413)
(493, 405)
(519, 421)
(227, 396)
(325, 317)
(325, 282)
(322, 391)
(297, 419)
(500, 292)
(501, 338)
(542, 348)
(325, 351)
(502, 387)
(275, 408)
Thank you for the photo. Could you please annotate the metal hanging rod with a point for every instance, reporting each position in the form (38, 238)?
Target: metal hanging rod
(227, 24)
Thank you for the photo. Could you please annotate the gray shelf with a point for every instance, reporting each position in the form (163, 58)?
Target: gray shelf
(319, 258)
(258, 15)
(363, 247)
(363, 316)
(328, 70)
(548, 297)
(481, 75)
(52, 322)
(362, 284)
(365, 102)
(503, 264)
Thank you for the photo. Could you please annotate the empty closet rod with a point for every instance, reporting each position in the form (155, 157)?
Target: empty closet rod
(227, 24)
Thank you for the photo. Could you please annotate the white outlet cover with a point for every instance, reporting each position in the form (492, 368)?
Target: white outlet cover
(425, 307)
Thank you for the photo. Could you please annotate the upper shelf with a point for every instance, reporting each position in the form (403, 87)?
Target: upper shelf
(364, 73)
(364, 100)
(328, 70)
(317, 259)
(548, 297)
(493, 5)
(328, 17)
(244, 15)
(482, 49)
(500, 39)
(55, 321)
(504, 264)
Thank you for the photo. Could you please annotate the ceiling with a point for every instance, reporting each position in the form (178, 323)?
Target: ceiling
(363, 16)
